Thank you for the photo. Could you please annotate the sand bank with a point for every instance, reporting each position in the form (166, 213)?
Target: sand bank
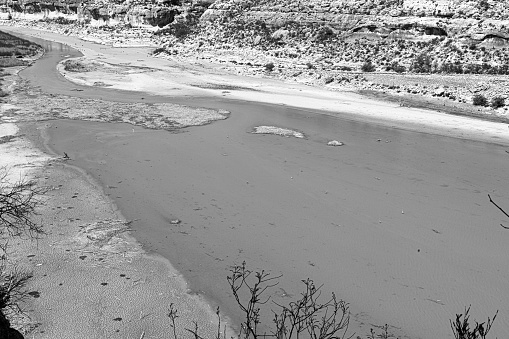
(397, 223)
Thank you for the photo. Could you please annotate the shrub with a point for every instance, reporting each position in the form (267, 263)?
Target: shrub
(422, 63)
(451, 68)
(497, 102)
(75, 66)
(479, 100)
(396, 67)
(368, 66)
(461, 327)
(321, 320)
(180, 30)
(269, 67)
(329, 79)
(159, 50)
(325, 33)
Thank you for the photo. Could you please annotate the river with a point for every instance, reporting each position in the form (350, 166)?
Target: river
(397, 223)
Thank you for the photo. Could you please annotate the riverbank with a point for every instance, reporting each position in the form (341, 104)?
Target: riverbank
(391, 221)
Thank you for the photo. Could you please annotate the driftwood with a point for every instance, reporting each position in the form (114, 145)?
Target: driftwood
(501, 209)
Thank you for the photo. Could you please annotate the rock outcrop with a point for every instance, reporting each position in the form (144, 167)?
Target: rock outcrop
(110, 13)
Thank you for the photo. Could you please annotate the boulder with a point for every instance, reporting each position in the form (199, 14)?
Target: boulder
(440, 91)
(280, 34)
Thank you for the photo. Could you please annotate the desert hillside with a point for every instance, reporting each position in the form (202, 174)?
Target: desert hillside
(340, 44)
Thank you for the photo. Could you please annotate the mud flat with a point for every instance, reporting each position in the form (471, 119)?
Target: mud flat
(396, 222)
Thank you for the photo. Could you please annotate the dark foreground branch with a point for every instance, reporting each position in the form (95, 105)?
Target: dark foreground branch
(18, 203)
(501, 209)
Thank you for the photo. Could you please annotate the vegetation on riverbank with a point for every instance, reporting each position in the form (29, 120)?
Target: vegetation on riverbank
(14, 51)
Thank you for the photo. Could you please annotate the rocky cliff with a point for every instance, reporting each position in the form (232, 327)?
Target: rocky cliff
(379, 19)
(110, 13)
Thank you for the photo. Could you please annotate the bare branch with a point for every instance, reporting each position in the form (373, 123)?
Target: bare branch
(18, 203)
(501, 209)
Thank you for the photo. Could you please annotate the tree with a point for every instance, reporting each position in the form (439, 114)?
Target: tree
(17, 206)
(497, 102)
(422, 63)
(18, 202)
(269, 67)
(396, 67)
(479, 100)
(368, 66)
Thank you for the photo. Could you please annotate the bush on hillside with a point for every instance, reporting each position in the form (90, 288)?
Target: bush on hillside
(422, 63)
(325, 33)
(396, 67)
(269, 67)
(479, 100)
(159, 50)
(368, 66)
(497, 102)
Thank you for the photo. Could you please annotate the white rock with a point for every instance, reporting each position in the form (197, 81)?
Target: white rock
(335, 143)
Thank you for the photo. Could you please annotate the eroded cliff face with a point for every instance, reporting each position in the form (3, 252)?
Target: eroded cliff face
(379, 19)
(110, 13)
(371, 19)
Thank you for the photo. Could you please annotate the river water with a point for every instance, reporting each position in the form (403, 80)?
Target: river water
(397, 223)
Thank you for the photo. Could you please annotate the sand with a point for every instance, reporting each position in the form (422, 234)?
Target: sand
(91, 278)
(396, 222)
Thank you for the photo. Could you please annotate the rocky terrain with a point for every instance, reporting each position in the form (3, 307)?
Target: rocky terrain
(453, 49)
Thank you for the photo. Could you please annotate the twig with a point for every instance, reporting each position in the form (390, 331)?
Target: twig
(501, 209)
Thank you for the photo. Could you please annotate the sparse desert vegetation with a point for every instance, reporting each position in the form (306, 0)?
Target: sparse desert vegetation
(14, 49)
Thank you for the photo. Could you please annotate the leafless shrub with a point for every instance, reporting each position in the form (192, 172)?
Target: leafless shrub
(12, 288)
(461, 327)
(173, 315)
(18, 203)
(306, 315)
